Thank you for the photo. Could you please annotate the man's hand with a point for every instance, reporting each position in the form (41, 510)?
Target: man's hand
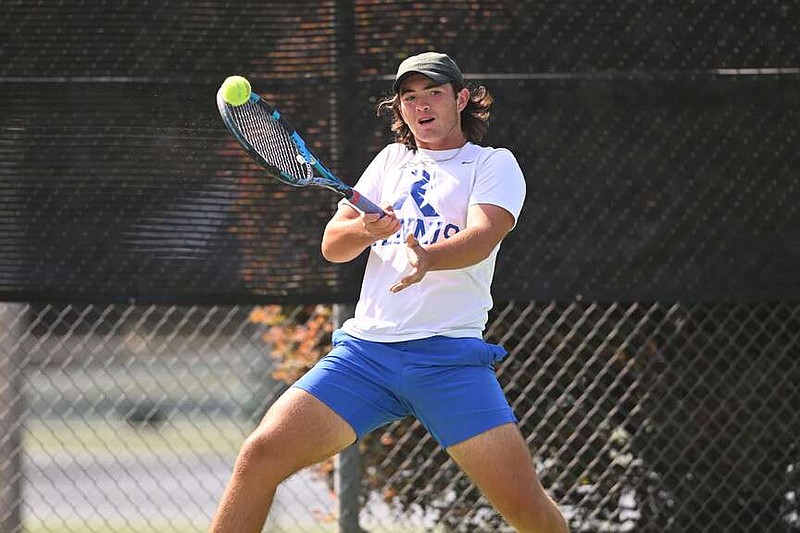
(381, 227)
(418, 260)
(349, 232)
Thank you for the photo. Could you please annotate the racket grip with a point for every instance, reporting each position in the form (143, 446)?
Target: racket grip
(364, 204)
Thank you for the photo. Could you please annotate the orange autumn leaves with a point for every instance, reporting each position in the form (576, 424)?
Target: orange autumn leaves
(298, 336)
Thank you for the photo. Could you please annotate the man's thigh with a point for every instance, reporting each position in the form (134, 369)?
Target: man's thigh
(299, 430)
(499, 462)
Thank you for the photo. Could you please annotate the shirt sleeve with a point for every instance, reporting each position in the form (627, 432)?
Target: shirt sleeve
(499, 181)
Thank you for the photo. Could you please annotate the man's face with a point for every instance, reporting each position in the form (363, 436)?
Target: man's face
(432, 112)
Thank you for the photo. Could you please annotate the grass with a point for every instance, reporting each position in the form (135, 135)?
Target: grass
(111, 436)
(84, 527)
(109, 440)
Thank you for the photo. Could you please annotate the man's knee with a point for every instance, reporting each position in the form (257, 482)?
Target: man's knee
(263, 452)
(537, 514)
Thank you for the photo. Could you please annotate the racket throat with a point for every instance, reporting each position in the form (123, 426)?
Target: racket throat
(304, 156)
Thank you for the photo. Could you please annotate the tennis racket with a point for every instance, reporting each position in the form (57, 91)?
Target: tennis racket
(275, 145)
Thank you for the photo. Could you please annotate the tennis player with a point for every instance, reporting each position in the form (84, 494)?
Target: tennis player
(414, 346)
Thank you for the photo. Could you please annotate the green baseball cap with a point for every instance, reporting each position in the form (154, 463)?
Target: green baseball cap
(438, 67)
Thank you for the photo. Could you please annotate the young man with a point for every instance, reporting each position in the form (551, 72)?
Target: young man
(414, 346)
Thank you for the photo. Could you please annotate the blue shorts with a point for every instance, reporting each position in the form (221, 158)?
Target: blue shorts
(448, 384)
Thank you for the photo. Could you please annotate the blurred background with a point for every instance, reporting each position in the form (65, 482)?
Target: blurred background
(158, 292)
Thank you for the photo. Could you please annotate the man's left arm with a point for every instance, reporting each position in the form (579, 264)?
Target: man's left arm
(487, 225)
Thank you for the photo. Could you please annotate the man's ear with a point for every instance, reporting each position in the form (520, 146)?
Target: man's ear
(462, 98)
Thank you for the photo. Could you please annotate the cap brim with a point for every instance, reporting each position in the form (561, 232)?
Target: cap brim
(437, 77)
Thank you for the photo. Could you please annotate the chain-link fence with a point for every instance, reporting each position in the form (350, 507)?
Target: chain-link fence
(641, 417)
(659, 141)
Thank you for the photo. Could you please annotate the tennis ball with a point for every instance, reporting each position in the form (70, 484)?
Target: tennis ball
(235, 90)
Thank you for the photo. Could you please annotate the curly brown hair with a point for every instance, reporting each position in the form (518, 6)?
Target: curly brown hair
(474, 117)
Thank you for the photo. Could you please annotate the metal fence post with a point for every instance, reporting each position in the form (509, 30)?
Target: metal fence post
(11, 409)
(348, 462)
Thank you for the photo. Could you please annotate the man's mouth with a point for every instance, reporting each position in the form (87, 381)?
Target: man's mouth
(426, 120)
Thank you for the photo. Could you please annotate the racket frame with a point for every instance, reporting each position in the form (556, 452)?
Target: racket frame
(322, 177)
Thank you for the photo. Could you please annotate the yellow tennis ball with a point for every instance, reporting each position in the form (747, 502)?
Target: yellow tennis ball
(235, 90)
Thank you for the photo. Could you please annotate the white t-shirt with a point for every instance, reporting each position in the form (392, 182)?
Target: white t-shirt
(431, 192)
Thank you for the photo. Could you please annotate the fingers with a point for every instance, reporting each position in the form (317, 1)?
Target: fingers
(407, 281)
(381, 227)
(399, 286)
(417, 260)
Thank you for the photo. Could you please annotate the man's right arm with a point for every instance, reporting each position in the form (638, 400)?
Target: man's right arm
(349, 232)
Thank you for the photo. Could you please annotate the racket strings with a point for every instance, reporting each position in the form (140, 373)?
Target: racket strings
(272, 142)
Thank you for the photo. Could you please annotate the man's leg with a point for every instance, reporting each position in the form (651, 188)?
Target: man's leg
(499, 463)
(297, 431)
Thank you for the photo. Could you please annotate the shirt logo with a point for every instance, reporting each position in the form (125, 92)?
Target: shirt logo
(419, 191)
(428, 226)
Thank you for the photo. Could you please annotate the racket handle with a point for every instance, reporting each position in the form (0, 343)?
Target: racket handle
(364, 204)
